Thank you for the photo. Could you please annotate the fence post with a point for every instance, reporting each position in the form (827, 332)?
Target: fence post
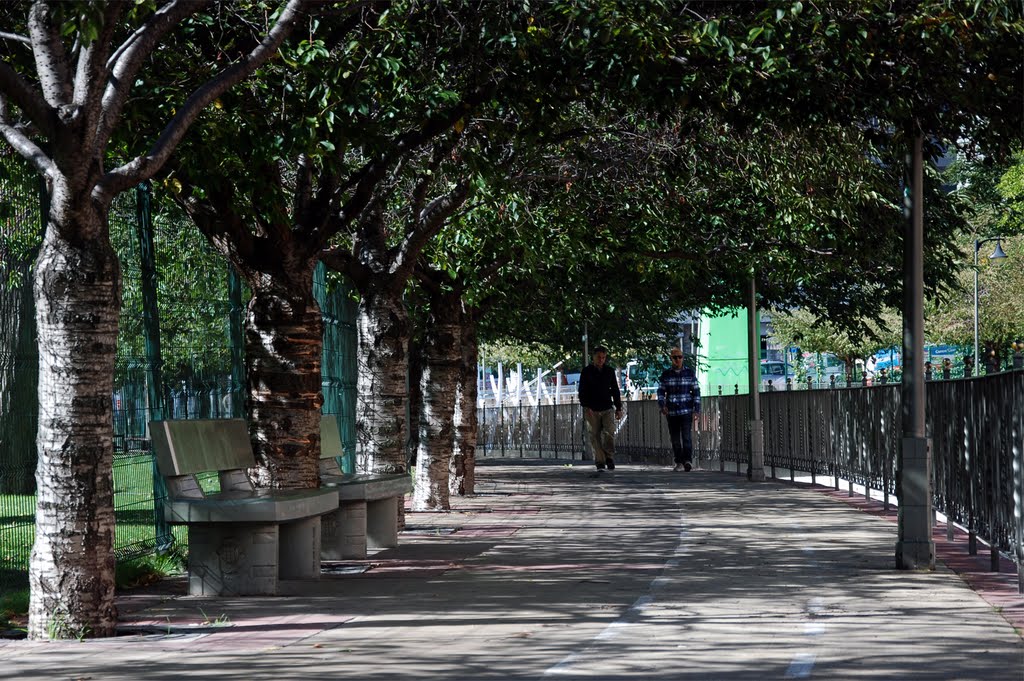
(154, 359)
(1017, 440)
(970, 449)
(995, 485)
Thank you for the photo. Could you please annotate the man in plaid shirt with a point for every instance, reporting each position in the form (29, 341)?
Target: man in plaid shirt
(679, 399)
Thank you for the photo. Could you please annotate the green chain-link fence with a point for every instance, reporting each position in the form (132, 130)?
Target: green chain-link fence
(181, 317)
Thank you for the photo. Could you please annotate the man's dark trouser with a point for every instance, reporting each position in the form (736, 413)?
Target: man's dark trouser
(680, 429)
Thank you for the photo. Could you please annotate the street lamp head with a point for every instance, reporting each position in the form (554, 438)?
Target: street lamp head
(998, 254)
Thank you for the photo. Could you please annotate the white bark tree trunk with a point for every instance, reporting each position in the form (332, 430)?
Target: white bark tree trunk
(284, 350)
(76, 104)
(441, 370)
(383, 327)
(462, 480)
(77, 289)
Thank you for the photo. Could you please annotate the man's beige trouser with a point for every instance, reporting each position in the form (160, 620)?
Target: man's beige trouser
(601, 425)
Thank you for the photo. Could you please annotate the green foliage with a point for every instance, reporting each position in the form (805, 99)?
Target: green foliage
(1011, 190)
(20, 218)
(811, 334)
(191, 292)
(531, 355)
(14, 605)
(150, 568)
(988, 198)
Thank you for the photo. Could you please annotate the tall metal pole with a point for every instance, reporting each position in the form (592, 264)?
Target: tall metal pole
(154, 357)
(915, 548)
(996, 256)
(755, 471)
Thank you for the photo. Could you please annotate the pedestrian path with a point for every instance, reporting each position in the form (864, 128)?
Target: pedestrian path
(554, 572)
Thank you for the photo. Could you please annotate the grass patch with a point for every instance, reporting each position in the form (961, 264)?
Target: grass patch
(150, 568)
(14, 610)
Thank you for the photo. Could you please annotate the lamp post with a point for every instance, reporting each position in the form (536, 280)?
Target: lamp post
(997, 254)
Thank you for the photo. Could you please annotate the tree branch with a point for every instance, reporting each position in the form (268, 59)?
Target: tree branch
(303, 186)
(341, 260)
(4, 35)
(127, 59)
(144, 167)
(90, 76)
(428, 276)
(28, 100)
(419, 192)
(22, 143)
(432, 219)
(51, 57)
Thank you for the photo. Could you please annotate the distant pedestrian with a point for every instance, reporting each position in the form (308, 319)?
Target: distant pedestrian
(679, 400)
(602, 406)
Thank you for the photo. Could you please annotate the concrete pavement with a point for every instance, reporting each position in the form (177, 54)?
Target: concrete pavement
(555, 572)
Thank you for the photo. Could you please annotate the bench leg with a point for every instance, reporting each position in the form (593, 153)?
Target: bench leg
(300, 549)
(344, 532)
(382, 523)
(236, 559)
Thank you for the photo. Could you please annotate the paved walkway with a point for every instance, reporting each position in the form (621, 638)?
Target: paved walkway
(554, 572)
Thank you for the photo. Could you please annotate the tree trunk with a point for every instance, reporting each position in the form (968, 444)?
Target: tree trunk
(383, 326)
(438, 383)
(462, 480)
(283, 352)
(415, 398)
(19, 377)
(77, 292)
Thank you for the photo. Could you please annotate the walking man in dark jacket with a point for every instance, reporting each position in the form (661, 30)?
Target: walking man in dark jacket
(598, 390)
(679, 400)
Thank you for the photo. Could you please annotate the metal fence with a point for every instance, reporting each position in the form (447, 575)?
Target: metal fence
(196, 300)
(852, 434)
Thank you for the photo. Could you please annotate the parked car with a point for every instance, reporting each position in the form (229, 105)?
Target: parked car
(773, 373)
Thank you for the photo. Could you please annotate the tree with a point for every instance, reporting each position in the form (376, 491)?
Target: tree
(63, 90)
(987, 196)
(812, 334)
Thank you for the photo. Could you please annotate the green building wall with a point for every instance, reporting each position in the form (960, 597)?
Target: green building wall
(723, 353)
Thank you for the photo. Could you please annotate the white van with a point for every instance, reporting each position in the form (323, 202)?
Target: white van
(773, 373)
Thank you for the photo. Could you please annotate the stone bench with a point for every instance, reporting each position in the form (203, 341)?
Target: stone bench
(367, 515)
(241, 540)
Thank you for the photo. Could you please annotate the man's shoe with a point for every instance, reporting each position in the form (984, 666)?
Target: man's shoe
(611, 464)
(678, 467)
(600, 466)
(687, 466)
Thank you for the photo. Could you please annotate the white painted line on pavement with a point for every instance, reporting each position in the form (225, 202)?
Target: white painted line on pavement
(628, 618)
(801, 666)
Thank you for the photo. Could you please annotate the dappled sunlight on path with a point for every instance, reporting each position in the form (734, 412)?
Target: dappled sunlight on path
(556, 572)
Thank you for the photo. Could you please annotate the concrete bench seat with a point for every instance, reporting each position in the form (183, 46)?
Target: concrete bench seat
(241, 540)
(367, 514)
(368, 486)
(256, 506)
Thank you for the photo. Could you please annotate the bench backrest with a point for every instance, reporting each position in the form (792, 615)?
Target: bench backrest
(330, 436)
(330, 445)
(196, 446)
